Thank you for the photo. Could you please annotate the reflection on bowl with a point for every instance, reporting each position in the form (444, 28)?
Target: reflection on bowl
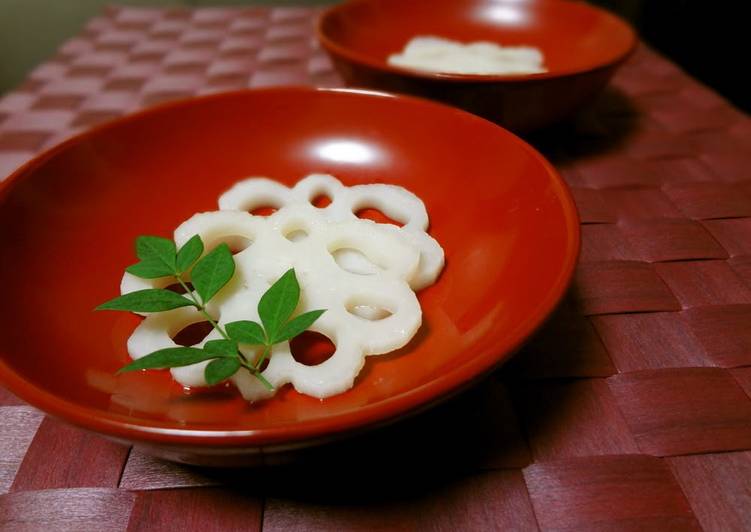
(582, 46)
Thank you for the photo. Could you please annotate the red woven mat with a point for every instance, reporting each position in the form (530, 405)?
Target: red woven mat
(630, 410)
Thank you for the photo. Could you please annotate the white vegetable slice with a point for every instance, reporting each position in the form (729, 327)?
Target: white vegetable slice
(363, 273)
(394, 201)
(436, 54)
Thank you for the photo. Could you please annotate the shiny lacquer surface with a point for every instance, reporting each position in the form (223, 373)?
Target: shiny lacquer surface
(582, 46)
(69, 218)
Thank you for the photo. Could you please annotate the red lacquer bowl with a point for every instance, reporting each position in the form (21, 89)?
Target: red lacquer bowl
(582, 45)
(68, 220)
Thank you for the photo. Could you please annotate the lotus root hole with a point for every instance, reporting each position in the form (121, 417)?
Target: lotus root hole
(311, 348)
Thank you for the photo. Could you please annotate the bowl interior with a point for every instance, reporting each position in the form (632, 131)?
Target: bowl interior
(69, 219)
(573, 36)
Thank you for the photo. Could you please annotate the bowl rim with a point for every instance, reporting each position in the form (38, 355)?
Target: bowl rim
(336, 50)
(121, 426)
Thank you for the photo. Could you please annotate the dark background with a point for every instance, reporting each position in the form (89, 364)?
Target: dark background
(704, 37)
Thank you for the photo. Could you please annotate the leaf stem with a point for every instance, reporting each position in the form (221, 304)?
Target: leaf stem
(244, 362)
(264, 354)
(201, 307)
(257, 375)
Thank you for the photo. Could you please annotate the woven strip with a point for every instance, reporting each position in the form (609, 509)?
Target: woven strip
(631, 409)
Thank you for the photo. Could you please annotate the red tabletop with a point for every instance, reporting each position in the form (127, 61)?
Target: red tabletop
(630, 410)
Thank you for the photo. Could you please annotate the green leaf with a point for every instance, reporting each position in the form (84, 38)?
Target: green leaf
(220, 369)
(149, 269)
(212, 272)
(223, 348)
(149, 300)
(297, 325)
(279, 302)
(171, 357)
(246, 332)
(156, 248)
(189, 253)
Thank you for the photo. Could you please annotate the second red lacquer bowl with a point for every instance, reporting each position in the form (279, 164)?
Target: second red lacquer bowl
(582, 45)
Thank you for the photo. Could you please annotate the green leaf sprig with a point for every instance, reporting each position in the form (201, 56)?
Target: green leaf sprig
(159, 257)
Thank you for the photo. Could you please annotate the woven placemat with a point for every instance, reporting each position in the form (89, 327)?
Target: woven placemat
(630, 410)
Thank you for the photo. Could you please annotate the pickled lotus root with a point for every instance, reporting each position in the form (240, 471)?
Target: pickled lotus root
(363, 273)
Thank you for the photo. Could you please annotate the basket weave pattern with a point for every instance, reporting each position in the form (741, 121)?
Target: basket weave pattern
(631, 409)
